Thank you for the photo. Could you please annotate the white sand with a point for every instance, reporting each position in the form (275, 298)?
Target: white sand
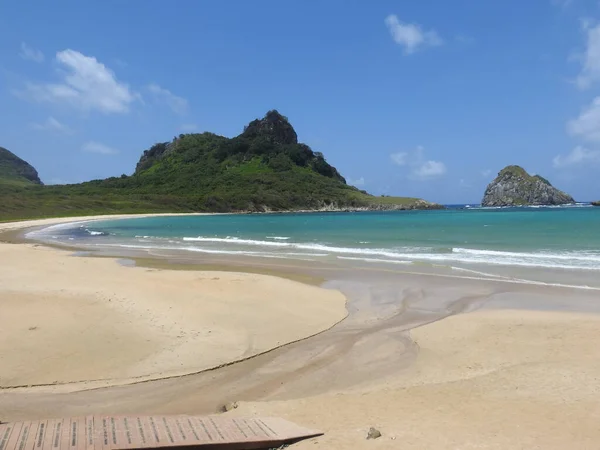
(72, 319)
(485, 380)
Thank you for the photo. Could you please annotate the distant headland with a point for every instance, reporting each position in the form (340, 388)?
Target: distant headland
(264, 169)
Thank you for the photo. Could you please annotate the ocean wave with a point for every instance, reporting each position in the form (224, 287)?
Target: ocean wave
(566, 256)
(96, 233)
(213, 251)
(279, 238)
(559, 260)
(374, 260)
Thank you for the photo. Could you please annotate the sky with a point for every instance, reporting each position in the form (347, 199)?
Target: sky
(415, 98)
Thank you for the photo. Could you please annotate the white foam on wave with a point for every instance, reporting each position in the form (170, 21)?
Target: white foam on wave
(303, 246)
(279, 238)
(213, 251)
(46, 231)
(375, 260)
(566, 256)
(558, 260)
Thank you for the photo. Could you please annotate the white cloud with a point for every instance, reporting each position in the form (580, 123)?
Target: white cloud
(486, 173)
(421, 168)
(411, 36)
(96, 147)
(357, 183)
(590, 72)
(429, 169)
(31, 54)
(189, 127)
(587, 125)
(51, 124)
(178, 104)
(579, 155)
(400, 159)
(87, 85)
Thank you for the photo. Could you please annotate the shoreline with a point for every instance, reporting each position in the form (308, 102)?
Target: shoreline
(490, 354)
(580, 278)
(309, 311)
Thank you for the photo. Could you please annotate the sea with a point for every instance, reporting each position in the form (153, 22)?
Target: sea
(502, 242)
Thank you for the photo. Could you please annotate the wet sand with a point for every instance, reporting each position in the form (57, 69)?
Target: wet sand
(431, 360)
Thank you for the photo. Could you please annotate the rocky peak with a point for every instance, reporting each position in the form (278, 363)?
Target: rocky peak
(514, 187)
(274, 126)
(14, 168)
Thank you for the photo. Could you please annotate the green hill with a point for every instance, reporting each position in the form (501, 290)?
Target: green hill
(13, 170)
(262, 169)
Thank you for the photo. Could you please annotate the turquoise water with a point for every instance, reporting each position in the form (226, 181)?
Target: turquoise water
(566, 237)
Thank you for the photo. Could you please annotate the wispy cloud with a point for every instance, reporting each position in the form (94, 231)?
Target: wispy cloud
(590, 71)
(576, 157)
(97, 147)
(411, 36)
(587, 125)
(177, 104)
(51, 124)
(421, 168)
(86, 84)
(400, 158)
(429, 169)
(486, 173)
(31, 54)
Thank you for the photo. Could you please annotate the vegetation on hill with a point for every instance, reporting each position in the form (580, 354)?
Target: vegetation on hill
(262, 169)
(13, 170)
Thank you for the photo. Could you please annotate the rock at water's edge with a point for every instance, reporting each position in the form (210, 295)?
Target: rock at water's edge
(596, 203)
(515, 187)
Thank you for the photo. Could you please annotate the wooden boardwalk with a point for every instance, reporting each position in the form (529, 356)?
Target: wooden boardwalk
(150, 432)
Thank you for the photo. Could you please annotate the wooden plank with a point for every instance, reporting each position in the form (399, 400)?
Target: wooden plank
(150, 432)
(15, 433)
(65, 437)
(89, 433)
(48, 436)
(32, 436)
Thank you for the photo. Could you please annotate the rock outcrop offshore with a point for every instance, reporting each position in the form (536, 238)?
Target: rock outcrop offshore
(515, 187)
(596, 203)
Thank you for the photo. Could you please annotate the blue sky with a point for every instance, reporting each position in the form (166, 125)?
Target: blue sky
(420, 98)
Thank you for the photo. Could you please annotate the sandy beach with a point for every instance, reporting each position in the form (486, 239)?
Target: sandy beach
(78, 320)
(431, 362)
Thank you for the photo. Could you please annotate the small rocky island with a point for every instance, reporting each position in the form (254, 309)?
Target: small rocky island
(515, 187)
(596, 203)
